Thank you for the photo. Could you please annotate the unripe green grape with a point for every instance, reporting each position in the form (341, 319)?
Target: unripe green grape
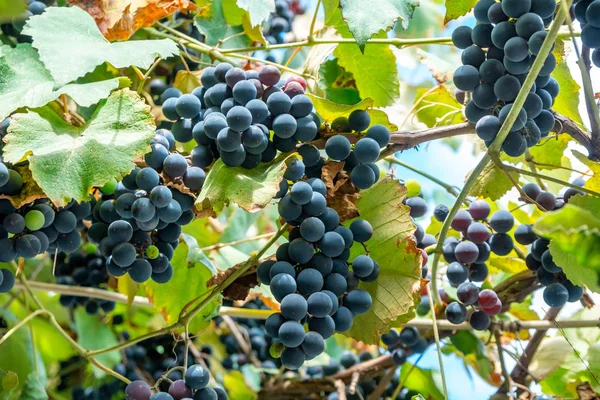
(152, 252)
(34, 220)
(109, 187)
(413, 186)
(276, 349)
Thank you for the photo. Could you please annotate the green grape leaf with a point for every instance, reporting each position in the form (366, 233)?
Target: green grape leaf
(567, 101)
(237, 388)
(10, 381)
(33, 389)
(251, 189)
(232, 12)
(214, 26)
(549, 356)
(375, 71)
(492, 183)
(337, 84)
(104, 148)
(25, 82)
(396, 291)
(189, 281)
(64, 34)
(438, 107)
(364, 22)
(11, 8)
(574, 233)
(423, 381)
(258, 10)
(17, 353)
(329, 111)
(548, 153)
(458, 8)
(94, 334)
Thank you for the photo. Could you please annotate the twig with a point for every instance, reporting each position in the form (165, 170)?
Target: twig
(311, 29)
(548, 178)
(236, 242)
(449, 188)
(244, 345)
(436, 336)
(382, 385)
(505, 374)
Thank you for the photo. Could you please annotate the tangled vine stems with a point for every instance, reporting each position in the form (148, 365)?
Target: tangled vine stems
(494, 150)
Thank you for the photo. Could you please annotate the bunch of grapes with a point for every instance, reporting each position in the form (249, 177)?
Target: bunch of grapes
(281, 20)
(558, 289)
(498, 54)
(359, 160)
(194, 385)
(87, 270)
(587, 13)
(404, 343)
(230, 116)
(311, 278)
(260, 342)
(13, 29)
(137, 223)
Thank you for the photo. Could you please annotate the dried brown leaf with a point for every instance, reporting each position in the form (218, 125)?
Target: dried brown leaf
(119, 19)
(30, 191)
(341, 193)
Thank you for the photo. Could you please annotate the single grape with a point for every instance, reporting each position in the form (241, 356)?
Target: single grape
(456, 313)
(359, 120)
(461, 37)
(466, 78)
(479, 321)
(338, 147)
(137, 390)
(556, 295)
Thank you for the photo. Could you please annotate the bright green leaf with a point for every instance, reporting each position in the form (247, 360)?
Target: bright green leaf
(215, 28)
(492, 183)
(94, 334)
(128, 287)
(364, 22)
(458, 8)
(511, 265)
(329, 111)
(33, 389)
(64, 34)
(83, 157)
(375, 71)
(11, 8)
(251, 189)
(438, 107)
(466, 342)
(188, 282)
(237, 388)
(232, 13)
(25, 82)
(10, 381)
(396, 290)
(549, 152)
(574, 231)
(337, 84)
(17, 352)
(259, 10)
(421, 381)
(567, 102)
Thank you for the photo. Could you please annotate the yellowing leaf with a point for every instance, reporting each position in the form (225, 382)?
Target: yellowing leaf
(438, 107)
(187, 81)
(119, 19)
(458, 8)
(492, 183)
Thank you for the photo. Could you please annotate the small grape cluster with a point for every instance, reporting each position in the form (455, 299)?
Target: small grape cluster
(36, 228)
(15, 26)
(498, 54)
(359, 160)
(86, 270)
(558, 289)
(193, 386)
(259, 341)
(11, 181)
(587, 13)
(281, 20)
(311, 278)
(346, 360)
(404, 343)
(467, 257)
(230, 116)
(137, 222)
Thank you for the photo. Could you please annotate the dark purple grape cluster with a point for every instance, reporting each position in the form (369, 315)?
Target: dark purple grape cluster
(310, 276)
(558, 289)
(418, 209)
(359, 160)
(13, 28)
(86, 270)
(230, 117)
(587, 13)
(137, 222)
(404, 343)
(498, 54)
(194, 385)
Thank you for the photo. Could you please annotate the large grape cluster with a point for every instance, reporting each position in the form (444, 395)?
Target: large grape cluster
(86, 270)
(558, 289)
(280, 21)
(498, 54)
(587, 13)
(15, 26)
(359, 160)
(231, 115)
(137, 224)
(194, 385)
(310, 276)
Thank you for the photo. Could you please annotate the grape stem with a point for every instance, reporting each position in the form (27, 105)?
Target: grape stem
(507, 379)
